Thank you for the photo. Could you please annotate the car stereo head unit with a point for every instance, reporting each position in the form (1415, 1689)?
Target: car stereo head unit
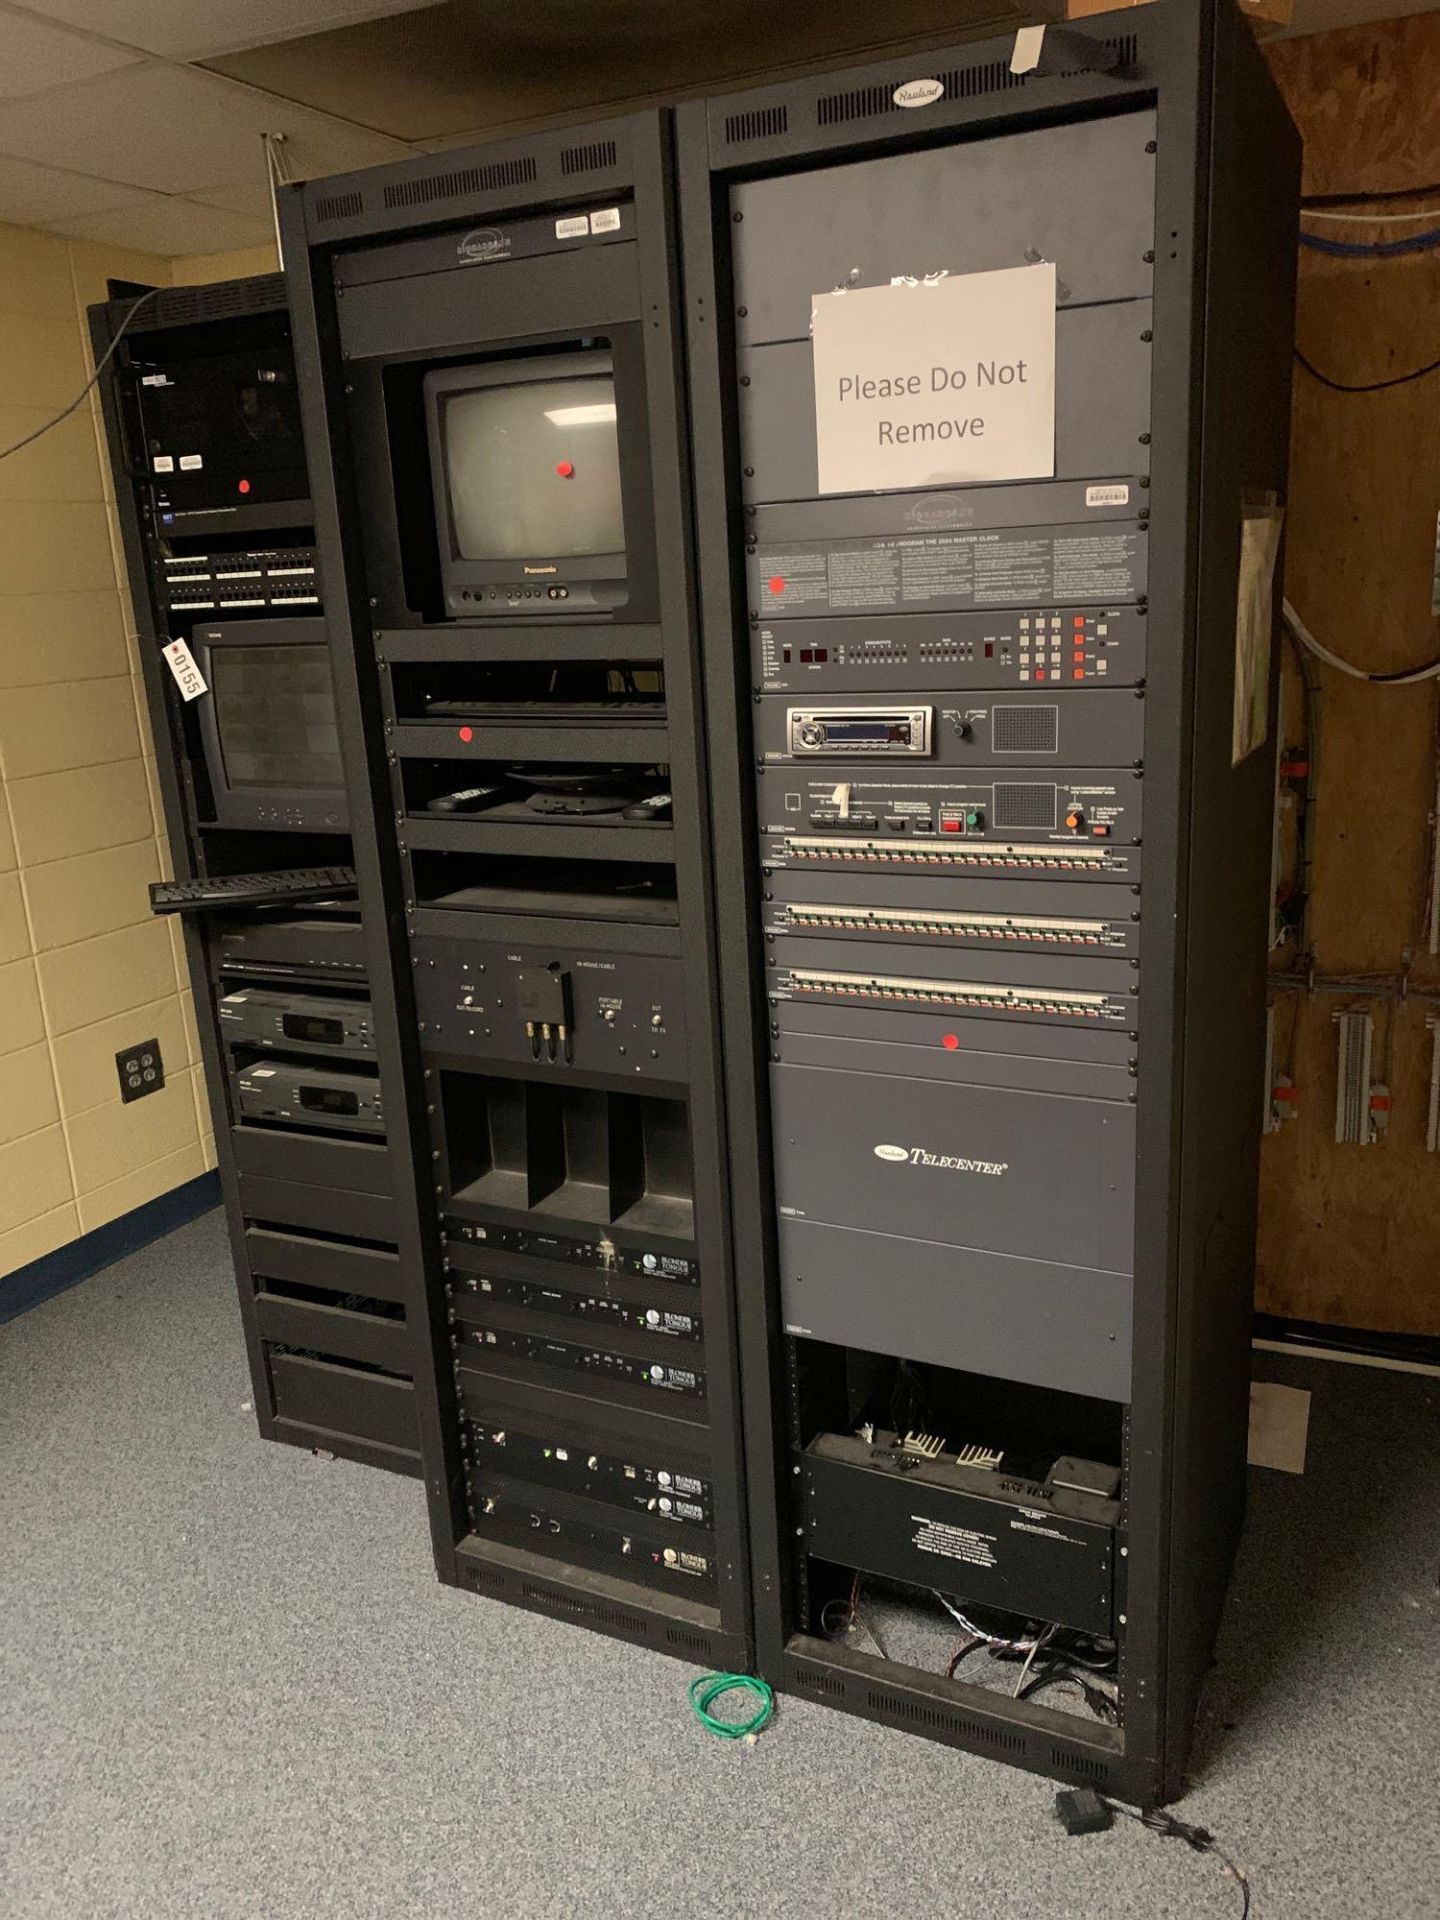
(854, 730)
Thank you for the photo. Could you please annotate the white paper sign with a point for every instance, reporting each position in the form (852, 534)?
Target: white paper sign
(188, 676)
(940, 383)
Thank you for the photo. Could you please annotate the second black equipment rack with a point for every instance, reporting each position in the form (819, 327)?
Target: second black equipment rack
(522, 663)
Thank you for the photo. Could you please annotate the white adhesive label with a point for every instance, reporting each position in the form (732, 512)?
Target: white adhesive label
(188, 676)
(190, 461)
(1029, 44)
(164, 463)
(607, 220)
(1107, 496)
(572, 227)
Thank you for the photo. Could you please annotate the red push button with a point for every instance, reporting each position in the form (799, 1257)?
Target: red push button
(565, 469)
(950, 1041)
(949, 826)
(1077, 673)
(1080, 621)
(1039, 673)
(467, 734)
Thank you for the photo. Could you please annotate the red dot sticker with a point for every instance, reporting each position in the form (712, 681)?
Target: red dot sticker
(244, 486)
(565, 469)
(950, 1042)
(777, 585)
(467, 734)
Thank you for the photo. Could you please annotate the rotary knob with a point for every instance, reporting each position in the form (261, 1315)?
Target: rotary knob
(811, 735)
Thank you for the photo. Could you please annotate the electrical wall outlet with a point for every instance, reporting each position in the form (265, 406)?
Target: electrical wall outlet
(141, 1070)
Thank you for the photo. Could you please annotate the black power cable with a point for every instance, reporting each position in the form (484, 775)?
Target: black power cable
(1365, 386)
(1199, 1839)
(1368, 193)
(100, 366)
(1083, 1810)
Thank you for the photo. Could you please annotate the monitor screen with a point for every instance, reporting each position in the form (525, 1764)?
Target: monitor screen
(533, 469)
(275, 716)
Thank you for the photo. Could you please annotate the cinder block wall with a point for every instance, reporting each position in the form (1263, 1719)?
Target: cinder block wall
(84, 969)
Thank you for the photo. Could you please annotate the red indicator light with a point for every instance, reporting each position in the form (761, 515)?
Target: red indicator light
(950, 1041)
(777, 584)
(467, 734)
(565, 469)
(244, 486)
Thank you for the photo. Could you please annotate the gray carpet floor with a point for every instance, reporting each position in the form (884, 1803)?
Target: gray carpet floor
(231, 1686)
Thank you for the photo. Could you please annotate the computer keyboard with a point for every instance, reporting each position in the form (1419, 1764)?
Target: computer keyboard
(250, 889)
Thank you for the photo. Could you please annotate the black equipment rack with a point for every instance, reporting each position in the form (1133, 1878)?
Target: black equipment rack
(1225, 169)
(320, 1226)
(392, 271)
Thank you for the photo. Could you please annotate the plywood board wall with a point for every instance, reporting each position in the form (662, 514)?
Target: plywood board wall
(1351, 1235)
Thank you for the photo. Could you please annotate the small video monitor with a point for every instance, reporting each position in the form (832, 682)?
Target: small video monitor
(268, 725)
(528, 477)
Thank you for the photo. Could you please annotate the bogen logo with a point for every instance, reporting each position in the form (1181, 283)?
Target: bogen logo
(484, 243)
(951, 1162)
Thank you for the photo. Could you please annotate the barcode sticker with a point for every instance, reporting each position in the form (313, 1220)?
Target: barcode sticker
(607, 220)
(164, 463)
(188, 676)
(1107, 496)
(573, 227)
(190, 461)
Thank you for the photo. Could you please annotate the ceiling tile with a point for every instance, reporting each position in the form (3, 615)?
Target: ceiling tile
(34, 55)
(32, 196)
(175, 129)
(248, 196)
(193, 29)
(168, 224)
(481, 64)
